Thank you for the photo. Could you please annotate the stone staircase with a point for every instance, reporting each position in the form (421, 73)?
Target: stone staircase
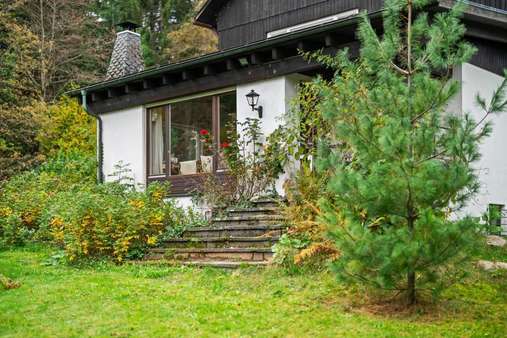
(243, 237)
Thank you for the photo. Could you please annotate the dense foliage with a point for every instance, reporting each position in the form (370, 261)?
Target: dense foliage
(49, 47)
(189, 41)
(66, 127)
(69, 44)
(411, 164)
(306, 243)
(60, 203)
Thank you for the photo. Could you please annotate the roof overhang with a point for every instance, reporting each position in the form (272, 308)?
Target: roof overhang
(207, 15)
(261, 60)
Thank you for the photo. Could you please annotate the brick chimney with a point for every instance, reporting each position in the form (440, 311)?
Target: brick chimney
(127, 57)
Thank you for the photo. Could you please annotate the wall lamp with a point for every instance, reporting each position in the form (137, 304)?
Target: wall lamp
(253, 100)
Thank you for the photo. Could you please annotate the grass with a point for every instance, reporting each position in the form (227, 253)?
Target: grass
(103, 300)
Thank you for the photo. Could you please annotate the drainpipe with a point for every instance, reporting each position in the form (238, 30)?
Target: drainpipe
(100, 146)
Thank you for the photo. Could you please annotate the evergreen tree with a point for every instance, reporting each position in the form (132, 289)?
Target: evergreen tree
(408, 163)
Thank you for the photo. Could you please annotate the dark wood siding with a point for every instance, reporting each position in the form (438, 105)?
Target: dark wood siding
(242, 22)
(491, 55)
(500, 4)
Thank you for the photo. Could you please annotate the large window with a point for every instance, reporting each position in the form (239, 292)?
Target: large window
(185, 138)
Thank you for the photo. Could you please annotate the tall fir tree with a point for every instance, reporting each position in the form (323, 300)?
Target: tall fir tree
(408, 162)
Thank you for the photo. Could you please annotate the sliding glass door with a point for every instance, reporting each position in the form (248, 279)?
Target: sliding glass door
(185, 138)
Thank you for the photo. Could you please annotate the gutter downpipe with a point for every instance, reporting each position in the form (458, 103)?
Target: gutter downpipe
(100, 145)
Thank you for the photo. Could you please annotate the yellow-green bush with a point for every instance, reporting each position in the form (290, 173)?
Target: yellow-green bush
(306, 242)
(24, 197)
(60, 203)
(66, 127)
(108, 220)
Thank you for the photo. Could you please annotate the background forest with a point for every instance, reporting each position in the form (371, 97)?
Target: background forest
(48, 47)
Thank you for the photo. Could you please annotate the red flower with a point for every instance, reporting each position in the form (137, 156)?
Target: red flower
(203, 132)
(225, 145)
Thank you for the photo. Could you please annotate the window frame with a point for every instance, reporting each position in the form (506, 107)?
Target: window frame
(184, 185)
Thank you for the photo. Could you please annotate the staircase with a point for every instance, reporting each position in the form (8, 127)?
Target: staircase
(243, 237)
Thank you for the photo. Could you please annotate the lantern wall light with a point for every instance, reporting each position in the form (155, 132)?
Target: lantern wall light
(253, 101)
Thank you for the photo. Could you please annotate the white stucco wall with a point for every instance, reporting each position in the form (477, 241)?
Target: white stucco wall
(275, 97)
(123, 137)
(492, 167)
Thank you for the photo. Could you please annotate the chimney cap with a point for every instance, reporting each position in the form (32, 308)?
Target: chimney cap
(128, 26)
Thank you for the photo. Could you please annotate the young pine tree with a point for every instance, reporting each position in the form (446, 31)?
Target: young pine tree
(408, 168)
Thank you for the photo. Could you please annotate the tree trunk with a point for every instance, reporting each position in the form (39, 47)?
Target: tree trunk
(411, 294)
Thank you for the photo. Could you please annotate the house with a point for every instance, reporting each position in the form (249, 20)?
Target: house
(150, 118)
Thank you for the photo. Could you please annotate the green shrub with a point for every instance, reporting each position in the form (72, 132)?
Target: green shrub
(108, 220)
(59, 202)
(252, 166)
(65, 126)
(24, 197)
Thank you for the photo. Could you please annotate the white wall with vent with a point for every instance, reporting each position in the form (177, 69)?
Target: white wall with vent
(492, 167)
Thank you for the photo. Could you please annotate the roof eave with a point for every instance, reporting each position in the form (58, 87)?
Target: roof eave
(217, 55)
(203, 17)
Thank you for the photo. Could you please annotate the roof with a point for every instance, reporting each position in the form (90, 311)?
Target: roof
(207, 16)
(216, 56)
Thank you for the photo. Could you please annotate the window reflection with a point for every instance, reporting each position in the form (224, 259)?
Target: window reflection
(191, 137)
(227, 125)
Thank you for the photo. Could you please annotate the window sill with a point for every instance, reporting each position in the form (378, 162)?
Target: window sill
(184, 185)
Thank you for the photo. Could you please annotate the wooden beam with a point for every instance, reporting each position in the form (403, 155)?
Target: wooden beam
(329, 40)
(209, 70)
(302, 46)
(231, 64)
(256, 59)
(186, 75)
(128, 89)
(276, 54)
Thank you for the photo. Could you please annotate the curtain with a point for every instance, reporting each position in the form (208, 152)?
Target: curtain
(157, 144)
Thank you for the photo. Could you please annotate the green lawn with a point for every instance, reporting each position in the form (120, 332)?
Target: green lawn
(133, 301)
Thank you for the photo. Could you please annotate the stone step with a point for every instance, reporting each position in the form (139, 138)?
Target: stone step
(218, 254)
(203, 263)
(264, 230)
(221, 242)
(269, 203)
(248, 212)
(225, 264)
(247, 220)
